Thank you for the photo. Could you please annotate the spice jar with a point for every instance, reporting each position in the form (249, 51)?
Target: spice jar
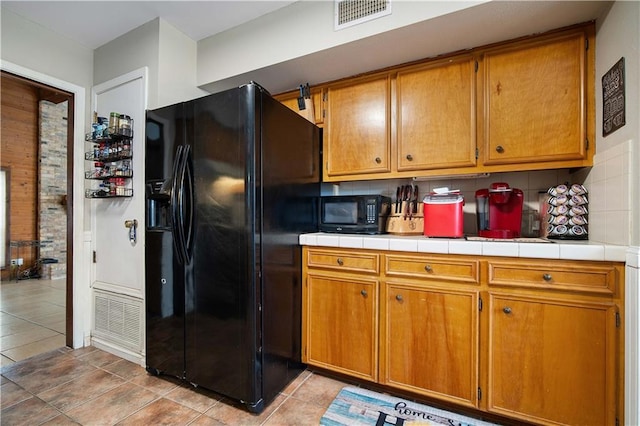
(124, 124)
(98, 169)
(114, 118)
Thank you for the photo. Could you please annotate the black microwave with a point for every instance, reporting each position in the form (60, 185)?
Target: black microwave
(354, 214)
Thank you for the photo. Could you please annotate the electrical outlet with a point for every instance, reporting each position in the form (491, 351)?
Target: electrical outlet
(20, 261)
(14, 262)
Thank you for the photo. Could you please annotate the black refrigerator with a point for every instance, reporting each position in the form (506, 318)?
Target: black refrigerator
(232, 179)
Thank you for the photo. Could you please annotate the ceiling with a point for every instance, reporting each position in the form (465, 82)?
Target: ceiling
(95, 23)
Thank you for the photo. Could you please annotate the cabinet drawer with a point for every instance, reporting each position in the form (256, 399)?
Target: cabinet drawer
(589, 277)
(466, 271)
(344, 261)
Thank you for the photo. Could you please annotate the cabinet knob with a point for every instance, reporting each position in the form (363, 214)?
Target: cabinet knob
(547, 277)
(399, 297)
(340, 261)
(409, 157)
(363, 293)
(506, 310)
(428, 268)
(499, 149)
(378, 160)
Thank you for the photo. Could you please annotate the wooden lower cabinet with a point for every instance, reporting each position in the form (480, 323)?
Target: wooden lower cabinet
(340, 324)
(429, 341)
(533, 340)
(552, 360)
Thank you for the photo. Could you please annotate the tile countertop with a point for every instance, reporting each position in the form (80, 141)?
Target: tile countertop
(556, 249)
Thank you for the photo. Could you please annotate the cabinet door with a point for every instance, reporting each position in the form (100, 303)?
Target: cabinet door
(290, 100)
(552, 361)
(340, 325)
(535, 102)
(429, 341)
(436, 115)
(357, 135)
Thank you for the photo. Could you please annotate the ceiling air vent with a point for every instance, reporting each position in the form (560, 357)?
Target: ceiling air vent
(353, 12)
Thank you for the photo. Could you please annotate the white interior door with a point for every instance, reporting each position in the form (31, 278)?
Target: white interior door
(119, 262)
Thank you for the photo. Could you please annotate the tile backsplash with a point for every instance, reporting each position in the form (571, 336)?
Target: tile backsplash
(609, 184)
(531, 183)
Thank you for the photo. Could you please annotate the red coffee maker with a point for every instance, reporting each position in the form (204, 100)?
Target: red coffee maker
(499, 211)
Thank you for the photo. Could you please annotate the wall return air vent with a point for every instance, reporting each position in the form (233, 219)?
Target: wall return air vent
(352, 12)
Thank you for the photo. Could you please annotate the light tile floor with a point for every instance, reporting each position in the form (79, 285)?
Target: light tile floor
(44, 382)
(91, 387)
(32, 318)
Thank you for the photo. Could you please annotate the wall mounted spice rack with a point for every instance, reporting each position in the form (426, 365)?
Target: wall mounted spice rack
(111, 156)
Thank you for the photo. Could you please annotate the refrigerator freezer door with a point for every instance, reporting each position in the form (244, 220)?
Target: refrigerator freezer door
(165, 285)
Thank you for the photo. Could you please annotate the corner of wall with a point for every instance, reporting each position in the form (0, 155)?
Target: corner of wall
(177, 67)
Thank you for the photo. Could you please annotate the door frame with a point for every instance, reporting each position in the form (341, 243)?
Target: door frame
(78, 329)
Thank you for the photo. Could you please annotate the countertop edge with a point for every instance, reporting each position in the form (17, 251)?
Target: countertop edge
(557, 249)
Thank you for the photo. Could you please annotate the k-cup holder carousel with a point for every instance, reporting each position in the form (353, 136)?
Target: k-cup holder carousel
(566, 216)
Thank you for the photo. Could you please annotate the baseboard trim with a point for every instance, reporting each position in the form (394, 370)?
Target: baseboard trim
(122, 353)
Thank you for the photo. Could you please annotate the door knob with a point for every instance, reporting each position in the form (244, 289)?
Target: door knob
(132, 225)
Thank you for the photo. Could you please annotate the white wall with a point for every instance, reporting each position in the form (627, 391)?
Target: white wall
(168, 54)
(177, 60)
(298, 44)
(613, 180)
(297, 30)
(616, 175)
(30, 51)
(33, 46)
(134, 50)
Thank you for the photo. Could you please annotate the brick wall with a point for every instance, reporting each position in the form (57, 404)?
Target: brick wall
(53, 187)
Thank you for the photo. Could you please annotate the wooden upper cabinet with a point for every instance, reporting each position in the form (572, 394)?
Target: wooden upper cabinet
(357, 132)
(535, 102)
(436, 115)
(525, 104)
(290, 100)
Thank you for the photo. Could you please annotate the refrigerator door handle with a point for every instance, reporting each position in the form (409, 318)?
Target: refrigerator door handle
(186, 203)
(176, 195)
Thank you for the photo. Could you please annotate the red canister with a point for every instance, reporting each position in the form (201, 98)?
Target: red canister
(443, 216)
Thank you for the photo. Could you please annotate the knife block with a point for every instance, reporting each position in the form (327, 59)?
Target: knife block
(401, 224)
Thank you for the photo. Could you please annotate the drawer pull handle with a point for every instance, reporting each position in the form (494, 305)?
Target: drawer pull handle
(340, 261)
(506, 310)
(363, 293)
(499, 149)
(409, 157)
(378, 160)
(399, 297)
(547, 277)
(428, 268)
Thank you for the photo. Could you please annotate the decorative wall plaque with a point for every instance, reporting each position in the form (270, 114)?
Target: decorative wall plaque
(613, 103)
